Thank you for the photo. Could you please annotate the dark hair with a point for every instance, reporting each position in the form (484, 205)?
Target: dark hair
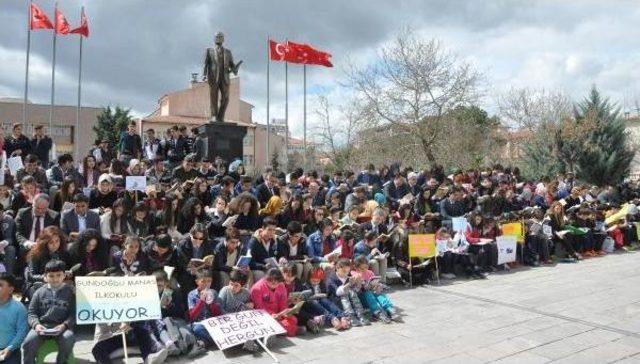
(290, 268)
(361, 259)
(80, 197)
(294, 227)
(231, 233)
(31, 158)
(198, 228)
(238, 276)
(342, 263)
(324, 223)
(202, 274)
(64, 158)
(9, 278)
(54, 266)
(274, 275)
(269, 221)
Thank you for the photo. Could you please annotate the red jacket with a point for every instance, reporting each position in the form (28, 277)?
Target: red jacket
(271, 301)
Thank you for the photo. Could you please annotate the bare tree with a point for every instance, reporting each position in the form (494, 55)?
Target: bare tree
(529, 108)
(336, 135)
(411, 85)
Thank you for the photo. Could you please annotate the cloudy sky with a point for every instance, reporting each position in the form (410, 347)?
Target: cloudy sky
(139, 50)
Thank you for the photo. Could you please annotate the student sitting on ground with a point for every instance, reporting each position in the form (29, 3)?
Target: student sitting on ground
(452, 252)
(371, 294)
(323, 306)
(370, 248)
(107, 339)
(13, 316)
(270, 294)
(234, 297)
(52, 313)
(342, 289)
(262, 246)
(203, 304)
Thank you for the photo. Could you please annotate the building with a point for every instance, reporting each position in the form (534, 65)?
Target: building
(190, 107)
(64, 123)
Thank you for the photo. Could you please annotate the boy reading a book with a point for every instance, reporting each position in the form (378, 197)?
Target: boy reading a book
(234, 297)
(203, 304)
(51, 315)
(343, 289)
(320, 304)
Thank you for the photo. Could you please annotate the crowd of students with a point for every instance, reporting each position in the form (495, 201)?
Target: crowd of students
(312, 250)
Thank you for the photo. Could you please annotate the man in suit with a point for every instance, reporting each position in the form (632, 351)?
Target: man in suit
(30, 221)
(218, 63)
(80, 218)
(267, 189)
(41, 145)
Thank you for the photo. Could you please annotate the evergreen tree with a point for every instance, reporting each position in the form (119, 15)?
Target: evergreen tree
(608, 154)
(112, 123)
(539, 154)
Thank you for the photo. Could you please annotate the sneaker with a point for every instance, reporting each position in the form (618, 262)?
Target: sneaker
(506, 267)
(198, 348)
(251, 346)
(301, 330)
(173, 350)
(345, 323)
(393, 314)
(364, 321)
(602, 252)
(312, 326)
(382, 316)
(448, 276)
(158, 357)
(356, 322)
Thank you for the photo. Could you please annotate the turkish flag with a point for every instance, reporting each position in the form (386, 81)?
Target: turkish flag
(279, 51)
(62, 25)
(83, 29)
(306, 54)
(39, 19)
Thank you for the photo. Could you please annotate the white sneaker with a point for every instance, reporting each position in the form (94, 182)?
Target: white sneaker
(448, 276)
(158, 357)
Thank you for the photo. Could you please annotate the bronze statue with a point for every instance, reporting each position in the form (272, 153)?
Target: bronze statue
(218, 63)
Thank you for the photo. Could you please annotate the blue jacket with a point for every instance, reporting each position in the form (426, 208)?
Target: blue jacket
(314, 246)
(361, 248)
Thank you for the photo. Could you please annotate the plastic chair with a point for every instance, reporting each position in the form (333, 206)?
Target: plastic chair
(50, 346)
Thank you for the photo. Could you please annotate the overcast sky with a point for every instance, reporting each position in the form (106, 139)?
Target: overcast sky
(138, 50)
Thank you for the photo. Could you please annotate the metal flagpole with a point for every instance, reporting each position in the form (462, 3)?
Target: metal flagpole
(304, 116)
(77, 129)
(53, 71)
(286, 110)
(26, 74)
(268, 98)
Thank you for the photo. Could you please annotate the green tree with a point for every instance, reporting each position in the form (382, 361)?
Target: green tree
(111, 124)
(608, 154)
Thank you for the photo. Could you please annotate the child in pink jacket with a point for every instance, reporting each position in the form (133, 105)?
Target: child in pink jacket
(270, 294)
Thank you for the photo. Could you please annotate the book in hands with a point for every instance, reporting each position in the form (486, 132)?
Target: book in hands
(243, 262)
(50, 332)
(290, 311)
(271, 262)
(206, 261)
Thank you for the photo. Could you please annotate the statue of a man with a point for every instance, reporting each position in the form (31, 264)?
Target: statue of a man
(218, 63)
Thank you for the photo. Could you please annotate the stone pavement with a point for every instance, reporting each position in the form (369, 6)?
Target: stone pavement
(588, 312)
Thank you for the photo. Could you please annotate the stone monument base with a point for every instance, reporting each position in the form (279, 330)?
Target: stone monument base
(223, 139)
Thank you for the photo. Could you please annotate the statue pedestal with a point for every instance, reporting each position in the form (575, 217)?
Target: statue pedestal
(223, 139)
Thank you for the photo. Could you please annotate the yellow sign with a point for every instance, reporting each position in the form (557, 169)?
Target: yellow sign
(513, 229)
(422, 245)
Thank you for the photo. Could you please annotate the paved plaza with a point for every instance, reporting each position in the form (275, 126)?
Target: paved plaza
(587, 312)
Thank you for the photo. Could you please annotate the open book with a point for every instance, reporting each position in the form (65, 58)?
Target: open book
(206, 261)
(306, 295)
(290, 311)
(243, 261)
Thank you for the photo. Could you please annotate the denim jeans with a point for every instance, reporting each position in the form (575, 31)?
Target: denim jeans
(33, 342)
(140, 336)
(202, 334)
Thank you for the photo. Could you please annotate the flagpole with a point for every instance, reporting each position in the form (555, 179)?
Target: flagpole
(286, 110)
(268, 101)
(304, 116)
(77, 128)
(53, 72)
(26, 73)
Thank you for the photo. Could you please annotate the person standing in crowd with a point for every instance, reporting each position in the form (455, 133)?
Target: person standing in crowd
(41, 145)
(188, 141)
(130, 144)
(102, 153)
(176, 148)
(17, 144)
(152, 148)
(13, 316)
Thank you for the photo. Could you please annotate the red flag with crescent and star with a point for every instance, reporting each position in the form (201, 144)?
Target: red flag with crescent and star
(298, 53)
(39, 19)
(62, 25)
(83, 29)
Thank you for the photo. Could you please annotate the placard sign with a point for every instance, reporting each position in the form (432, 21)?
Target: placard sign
(237, 328)
(116, 299)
